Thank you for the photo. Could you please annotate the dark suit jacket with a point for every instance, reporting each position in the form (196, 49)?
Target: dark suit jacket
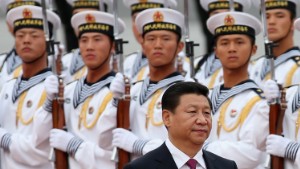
(161, 158)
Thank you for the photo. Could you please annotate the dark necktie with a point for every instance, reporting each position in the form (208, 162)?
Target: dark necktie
(192, 163)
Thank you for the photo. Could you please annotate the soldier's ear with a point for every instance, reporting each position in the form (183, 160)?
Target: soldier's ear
(254, 49)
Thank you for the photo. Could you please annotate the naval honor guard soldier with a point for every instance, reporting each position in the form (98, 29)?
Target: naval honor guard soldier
(287, 146)
(73, 64)
(161, 30)
(10, 63)
(22, 145)
(280, 16)
(209, 68)
(240, 121)
(90, 115)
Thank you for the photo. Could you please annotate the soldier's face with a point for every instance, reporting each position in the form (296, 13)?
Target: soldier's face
(95, 49)
(280, 24)
(234, 51)
(30, 44)
(161, 47)
(190, 124)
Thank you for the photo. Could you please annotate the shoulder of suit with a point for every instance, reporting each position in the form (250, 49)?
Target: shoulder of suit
(221, 161)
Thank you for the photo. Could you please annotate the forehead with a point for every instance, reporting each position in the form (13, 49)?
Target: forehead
(30, 30)
(278, 10)
(93, 34)
(233, 37)
(194, 100)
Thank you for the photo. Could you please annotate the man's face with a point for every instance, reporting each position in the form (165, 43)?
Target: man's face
(30, 44)
(95, 49)
(279, 24)
(190, 123)
(161, 47)
(234, 51)
(135, 31)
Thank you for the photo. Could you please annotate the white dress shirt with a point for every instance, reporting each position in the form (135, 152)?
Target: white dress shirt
(181, 158)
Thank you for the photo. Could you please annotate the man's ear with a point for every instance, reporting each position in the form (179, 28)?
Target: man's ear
(166, 117)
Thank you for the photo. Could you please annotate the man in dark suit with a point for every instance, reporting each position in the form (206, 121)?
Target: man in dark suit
(187, 116)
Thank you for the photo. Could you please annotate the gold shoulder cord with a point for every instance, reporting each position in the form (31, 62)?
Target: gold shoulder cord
(17, 72)
(213, 79)
(150, 112)
(141, 73)
(297, 126)
(82, 116)
(243, 115)
(289, 76)
(20, 105)
(80, 73)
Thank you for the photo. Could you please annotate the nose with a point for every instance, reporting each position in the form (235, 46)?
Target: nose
(271, 20)
(232, 47)
(157, 43)
(26, 39)
(89, 45)
(201, 119)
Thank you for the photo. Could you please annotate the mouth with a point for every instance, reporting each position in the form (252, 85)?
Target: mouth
(271, 30)
(26, 49)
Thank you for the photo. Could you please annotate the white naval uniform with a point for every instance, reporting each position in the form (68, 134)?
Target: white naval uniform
(287, 69)
(29, 149)
(153, 129)
(136, 66)
(210, 72)
(242, 142)
(73, 66)
(95, 129)
(10, 66)
(291, 116)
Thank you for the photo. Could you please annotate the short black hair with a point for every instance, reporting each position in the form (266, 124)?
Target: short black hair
(171, 97)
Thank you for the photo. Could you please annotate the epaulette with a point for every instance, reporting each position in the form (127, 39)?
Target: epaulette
(259, 92)
(296, 60)
(133, 83)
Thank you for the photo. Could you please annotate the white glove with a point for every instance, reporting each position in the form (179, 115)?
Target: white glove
(271, 90)
(117, 86)
(60, 139)
(123, 139)
(276, 145)
(51, 86)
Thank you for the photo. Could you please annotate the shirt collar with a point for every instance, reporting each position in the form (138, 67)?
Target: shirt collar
(181, 158)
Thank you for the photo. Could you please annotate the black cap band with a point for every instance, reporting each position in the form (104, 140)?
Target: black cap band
(234, 29)
(224, 5)
(281, 5)
(86, 4)
(31, 23)
(96, 27)
(143, 6)
(153, 26)
(21, 3)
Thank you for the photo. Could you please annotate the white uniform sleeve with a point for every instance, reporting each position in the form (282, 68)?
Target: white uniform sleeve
(34, 148)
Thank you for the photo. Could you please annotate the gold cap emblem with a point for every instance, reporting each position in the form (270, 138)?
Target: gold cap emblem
(229, 20)
(143, 1)
(27, 13)
(158, 17)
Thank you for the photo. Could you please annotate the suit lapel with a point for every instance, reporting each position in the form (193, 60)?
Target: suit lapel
(165, 159)
(209, 160)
